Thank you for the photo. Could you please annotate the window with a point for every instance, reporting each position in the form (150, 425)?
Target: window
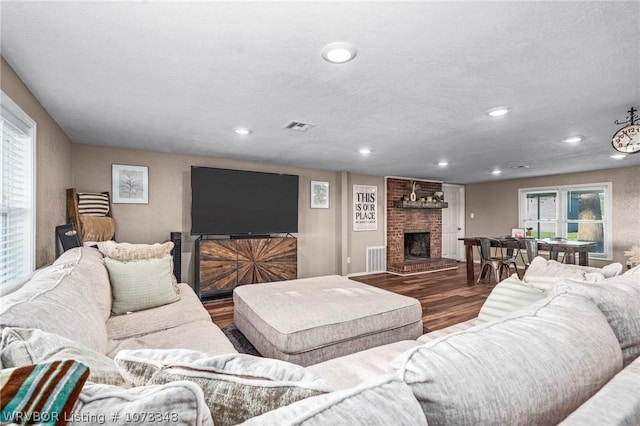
(577, 212)
(17, 237)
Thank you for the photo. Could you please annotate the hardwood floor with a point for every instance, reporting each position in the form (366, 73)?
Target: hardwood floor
(445, 296)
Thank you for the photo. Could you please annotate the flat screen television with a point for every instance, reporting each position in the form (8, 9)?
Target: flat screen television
(242, 203)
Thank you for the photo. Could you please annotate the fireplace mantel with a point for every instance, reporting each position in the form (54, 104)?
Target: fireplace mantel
(420, 205)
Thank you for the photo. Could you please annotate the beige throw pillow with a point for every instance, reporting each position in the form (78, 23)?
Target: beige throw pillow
(141, 284)
(236, 386)
(127, 252)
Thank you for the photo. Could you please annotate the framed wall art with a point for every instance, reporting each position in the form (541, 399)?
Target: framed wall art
(319, 194)
(129, 184)
(365, 215)
(517, 232)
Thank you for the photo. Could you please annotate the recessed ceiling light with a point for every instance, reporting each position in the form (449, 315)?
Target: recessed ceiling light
(498, 111)
(339, 52)
(573, 139)
(364, 151)
(443, 163)
(618, 156)
(241, 131)
(496, 172)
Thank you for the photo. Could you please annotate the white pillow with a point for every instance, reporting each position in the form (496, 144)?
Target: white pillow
(544, 274)
(612, 269)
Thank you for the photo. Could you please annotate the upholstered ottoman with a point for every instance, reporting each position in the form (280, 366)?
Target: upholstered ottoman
(311, 320)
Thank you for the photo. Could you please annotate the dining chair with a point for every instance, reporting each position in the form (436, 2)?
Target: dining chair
(509, 254)
(531, 246)
(558, 253)
(496, 263)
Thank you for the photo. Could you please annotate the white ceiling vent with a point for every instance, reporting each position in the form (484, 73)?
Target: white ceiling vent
(298, 126)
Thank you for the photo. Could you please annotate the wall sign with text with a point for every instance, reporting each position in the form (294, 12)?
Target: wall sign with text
(365, 213)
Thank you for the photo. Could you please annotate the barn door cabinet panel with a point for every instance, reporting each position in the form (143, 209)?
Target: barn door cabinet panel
(221, 265)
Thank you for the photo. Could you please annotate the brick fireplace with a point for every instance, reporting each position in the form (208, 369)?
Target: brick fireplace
(414, 235)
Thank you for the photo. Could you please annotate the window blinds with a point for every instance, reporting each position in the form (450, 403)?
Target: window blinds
(17, 205)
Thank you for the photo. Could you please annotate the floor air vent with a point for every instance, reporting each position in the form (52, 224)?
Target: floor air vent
(376, 259)
(298, 126)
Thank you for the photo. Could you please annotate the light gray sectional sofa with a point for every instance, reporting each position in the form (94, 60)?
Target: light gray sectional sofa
(565, 353)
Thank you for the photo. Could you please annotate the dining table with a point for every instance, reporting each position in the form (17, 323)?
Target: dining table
(554, 246)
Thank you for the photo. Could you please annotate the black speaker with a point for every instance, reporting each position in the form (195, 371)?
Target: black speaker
(176, 239)
(68, 237)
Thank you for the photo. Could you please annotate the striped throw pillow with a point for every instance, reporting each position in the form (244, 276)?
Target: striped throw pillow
(93, 204)
(41, 393)
(506, 297)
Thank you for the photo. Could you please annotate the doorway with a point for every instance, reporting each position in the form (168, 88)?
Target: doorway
(453, 222)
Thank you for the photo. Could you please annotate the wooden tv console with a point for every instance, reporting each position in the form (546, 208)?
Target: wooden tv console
(223, 264)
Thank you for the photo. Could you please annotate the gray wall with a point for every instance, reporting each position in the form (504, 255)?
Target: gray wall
(53, 165)
(495, 205)
(320, 238)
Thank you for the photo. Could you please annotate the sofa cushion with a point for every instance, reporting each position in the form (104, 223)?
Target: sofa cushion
(617, 403)
(186, 310)
(177, 403)
(384, 400)
(89, 271)
(201, 335)
(41, 393)
(619, 300)
(533, 367)
(454, 328)
(58, 301)
(25, 346)
(351, 370)
(141, 284)
(506, 297)
(236, 387)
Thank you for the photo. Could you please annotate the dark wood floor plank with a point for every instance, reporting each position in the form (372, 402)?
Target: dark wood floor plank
(445, 296)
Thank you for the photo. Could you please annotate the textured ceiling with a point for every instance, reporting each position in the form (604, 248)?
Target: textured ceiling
(179, 76)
